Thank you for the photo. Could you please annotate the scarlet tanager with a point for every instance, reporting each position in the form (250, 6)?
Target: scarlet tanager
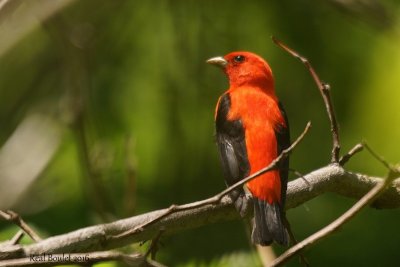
(251, 131)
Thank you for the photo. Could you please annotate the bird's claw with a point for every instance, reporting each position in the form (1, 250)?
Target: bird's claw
(242, 204)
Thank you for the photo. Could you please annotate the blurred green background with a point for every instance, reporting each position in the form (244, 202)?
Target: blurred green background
(106, 111)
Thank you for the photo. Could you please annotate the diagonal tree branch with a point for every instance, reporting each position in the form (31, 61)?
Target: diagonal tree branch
(325, 90)
(16, 219)
(331, 178)
(215, 199)
(378, 189)
(356, 149)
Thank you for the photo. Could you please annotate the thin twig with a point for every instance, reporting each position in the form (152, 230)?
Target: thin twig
(331, 178)
(394, 171)
(293, 241)
(272, 166)
(11, 216)
(13, 241)
(174, 208)
(17, 237)
(332, 227)
(324, 89)
(154, 245)
(300, 175)
(345, 158)
(377, 157)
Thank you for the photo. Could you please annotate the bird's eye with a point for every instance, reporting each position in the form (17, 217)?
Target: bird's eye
(239, 58)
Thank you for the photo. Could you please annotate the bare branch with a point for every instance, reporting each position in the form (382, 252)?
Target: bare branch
(214, 200)
(324, 89)
(331, 178)
(16, 219)
(357, 148)
(293, 241)
(332, 227)
(272, 166)
(377, 157)
(17, 237)
(152, 250)
(13, 241)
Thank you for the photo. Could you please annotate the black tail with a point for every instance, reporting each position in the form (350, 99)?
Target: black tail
(268, 224)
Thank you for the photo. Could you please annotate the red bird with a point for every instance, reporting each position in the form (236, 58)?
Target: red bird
(252, 130)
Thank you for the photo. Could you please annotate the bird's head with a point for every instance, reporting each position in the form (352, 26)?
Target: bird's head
(245, 69)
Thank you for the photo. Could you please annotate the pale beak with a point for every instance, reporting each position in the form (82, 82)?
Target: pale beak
(218, 61)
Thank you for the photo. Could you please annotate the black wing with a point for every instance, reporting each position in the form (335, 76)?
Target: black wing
(282, 134)
(232, 147)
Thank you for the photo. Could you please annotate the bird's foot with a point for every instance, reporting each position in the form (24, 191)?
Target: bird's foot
(242, 204)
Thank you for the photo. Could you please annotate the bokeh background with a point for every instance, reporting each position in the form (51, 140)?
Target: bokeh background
(106, 111)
